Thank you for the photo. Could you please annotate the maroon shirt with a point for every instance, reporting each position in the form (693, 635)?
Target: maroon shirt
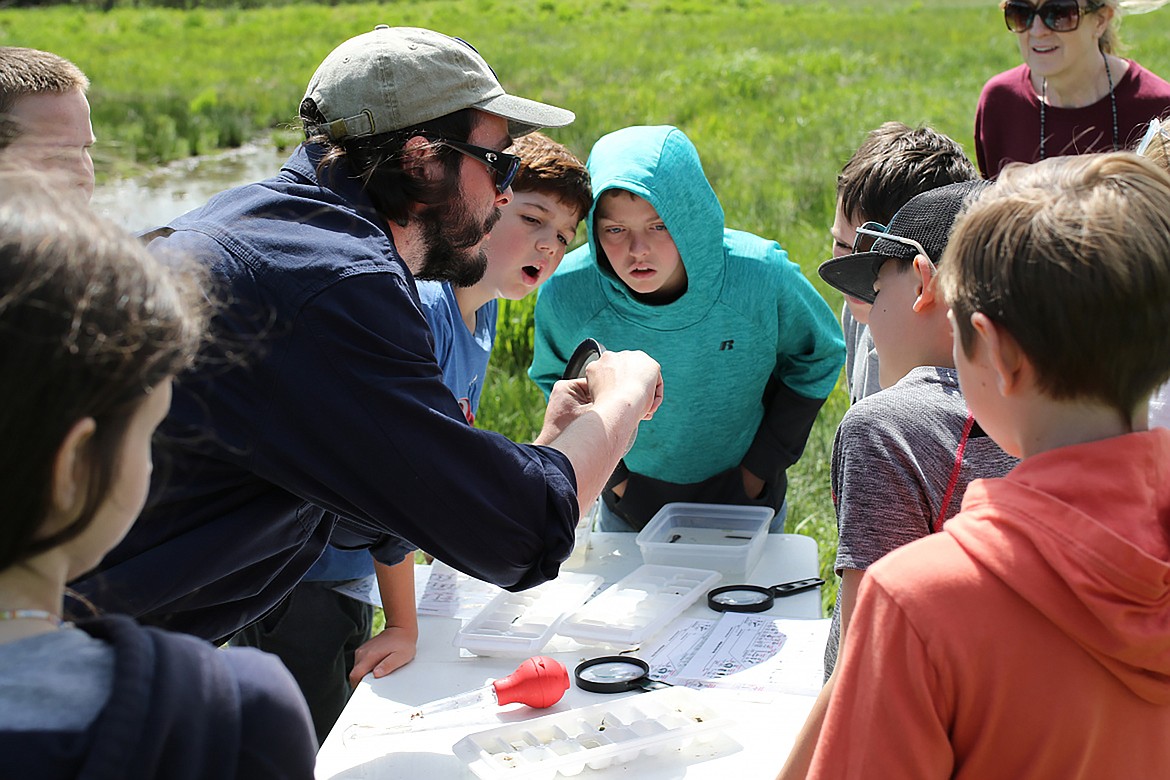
(1007, 121)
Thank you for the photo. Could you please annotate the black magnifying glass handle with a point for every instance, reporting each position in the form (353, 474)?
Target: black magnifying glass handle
(756, 598)
(796, 586)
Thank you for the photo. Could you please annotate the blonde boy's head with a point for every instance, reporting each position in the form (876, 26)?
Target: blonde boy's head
(25, 72)
(548, 167)
(44, 116)
(1071, 256)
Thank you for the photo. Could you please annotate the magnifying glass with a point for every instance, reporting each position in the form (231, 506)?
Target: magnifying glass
(586, 352)
(756, 598)
(615, 674)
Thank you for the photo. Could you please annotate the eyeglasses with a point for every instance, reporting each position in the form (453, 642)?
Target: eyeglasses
(870, 232)
(1057, 15)
(501, 164)
(1156, 129)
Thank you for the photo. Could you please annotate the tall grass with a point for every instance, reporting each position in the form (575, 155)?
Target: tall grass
(775, 95)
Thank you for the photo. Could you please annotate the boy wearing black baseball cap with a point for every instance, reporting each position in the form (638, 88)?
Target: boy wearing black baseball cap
(903, 456)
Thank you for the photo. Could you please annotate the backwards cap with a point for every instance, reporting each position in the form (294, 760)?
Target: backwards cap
(926, 218)
(396, 78)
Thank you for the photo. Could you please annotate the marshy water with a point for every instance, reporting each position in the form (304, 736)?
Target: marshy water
(155, 198)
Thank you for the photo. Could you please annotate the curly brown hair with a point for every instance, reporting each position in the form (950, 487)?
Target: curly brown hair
(549, 167)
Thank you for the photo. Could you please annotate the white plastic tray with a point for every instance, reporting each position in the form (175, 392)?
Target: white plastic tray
(522, 623)
(597, 736)
(638, 605)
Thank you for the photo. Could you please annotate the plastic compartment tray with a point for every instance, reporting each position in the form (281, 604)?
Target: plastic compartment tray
(727, 538)
(638, 605)
(597, 736)
(523, 623)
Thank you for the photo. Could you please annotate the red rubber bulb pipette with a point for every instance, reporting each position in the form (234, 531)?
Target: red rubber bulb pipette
(538, 682)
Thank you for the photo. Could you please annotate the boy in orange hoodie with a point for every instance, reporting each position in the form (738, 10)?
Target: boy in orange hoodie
(1031, 637)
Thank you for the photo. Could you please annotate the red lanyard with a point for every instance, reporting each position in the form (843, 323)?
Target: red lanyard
(954, 480)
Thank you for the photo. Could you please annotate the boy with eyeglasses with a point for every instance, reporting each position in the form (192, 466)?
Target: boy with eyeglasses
(749, 349)
(1030, 637)
(894, 163)
(902, 458)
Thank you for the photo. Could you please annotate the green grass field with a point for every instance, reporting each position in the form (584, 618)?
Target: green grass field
(775, 95)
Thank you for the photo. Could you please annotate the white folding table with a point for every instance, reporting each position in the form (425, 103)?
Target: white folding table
(762, 731)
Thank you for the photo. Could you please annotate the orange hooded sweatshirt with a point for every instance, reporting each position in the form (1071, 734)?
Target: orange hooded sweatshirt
(1031, 638)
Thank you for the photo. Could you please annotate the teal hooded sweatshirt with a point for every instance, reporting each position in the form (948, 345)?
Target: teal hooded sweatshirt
(749, 351)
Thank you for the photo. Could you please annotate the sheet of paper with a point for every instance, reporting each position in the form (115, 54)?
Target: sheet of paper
(366, 589)
(451, 593)
(754, 653)
(676, 644)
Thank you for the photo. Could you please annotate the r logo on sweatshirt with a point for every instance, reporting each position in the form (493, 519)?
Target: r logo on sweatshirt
(726, 345)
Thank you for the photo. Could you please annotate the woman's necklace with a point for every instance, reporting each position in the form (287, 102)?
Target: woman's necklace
(1112, 105)
(31, 614)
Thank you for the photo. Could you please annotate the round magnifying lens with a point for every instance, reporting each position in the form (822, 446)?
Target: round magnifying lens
(740, 598)
(586, 352)
(612, 674)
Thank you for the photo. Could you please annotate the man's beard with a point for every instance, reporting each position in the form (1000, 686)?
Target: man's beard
(450, 236)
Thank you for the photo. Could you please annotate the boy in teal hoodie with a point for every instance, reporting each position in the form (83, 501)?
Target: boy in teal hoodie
(749, 349)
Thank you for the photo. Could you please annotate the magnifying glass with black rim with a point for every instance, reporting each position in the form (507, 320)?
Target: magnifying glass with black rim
(756, 598)
(615, 674)
(587, 352)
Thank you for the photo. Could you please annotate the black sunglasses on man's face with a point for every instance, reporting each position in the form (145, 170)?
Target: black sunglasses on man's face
(501, 164)
(1057, 15)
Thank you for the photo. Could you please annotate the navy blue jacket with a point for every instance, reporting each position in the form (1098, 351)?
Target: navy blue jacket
(319, 403)
(179, 709)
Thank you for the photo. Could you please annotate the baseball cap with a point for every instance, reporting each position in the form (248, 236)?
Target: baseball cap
(395, 78)
(926, 220)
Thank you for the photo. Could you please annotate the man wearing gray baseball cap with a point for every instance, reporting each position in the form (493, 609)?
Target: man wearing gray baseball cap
(318, 412)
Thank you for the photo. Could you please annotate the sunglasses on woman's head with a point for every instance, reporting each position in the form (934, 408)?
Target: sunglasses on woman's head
(1057, 15)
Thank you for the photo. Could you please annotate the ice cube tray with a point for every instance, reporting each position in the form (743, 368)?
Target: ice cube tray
(597, 736)
(521, 624)
(638, 605)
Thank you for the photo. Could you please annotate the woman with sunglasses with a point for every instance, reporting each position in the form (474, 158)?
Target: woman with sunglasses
(1072, 94)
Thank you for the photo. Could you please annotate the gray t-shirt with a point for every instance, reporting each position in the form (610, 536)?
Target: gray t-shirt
(894, 457)
(861, 359)
(57, 681)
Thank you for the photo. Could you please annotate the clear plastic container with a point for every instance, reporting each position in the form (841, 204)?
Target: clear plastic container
(727, 538)
(612, 732)
(521, 624)
(638, 605)
(581, 536)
